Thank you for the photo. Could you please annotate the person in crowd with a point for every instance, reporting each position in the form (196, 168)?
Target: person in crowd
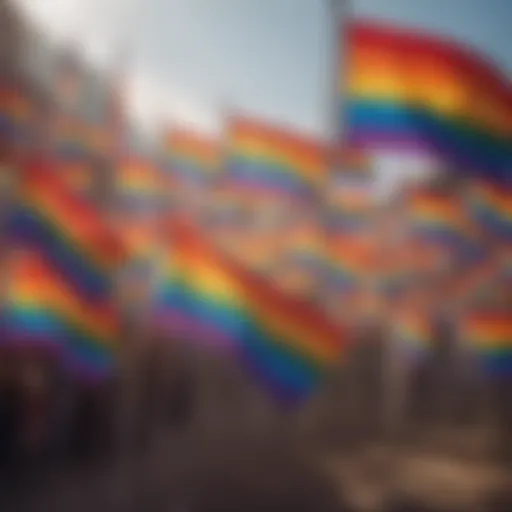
(206, 475)
(10, 416)
(37, 419)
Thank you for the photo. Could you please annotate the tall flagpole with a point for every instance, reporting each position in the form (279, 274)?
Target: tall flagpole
(327, 413)
(337, 14)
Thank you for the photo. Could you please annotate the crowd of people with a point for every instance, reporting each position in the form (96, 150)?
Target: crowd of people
(412, 360)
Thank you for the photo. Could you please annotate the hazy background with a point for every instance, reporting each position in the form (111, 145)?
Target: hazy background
(192, 59)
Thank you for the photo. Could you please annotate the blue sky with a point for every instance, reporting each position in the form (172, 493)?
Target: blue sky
(194, 58)
(271, 57)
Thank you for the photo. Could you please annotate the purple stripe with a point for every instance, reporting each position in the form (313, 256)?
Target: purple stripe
(283, 395)
(379, 140)
(178, 324)
(412, 145)
(188, 329)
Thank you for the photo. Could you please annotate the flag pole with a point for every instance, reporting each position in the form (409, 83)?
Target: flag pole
(324, 414)
(337, 12)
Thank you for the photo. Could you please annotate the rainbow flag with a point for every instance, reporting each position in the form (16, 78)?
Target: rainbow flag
(138, 180)
(71, 139)
(192, 157)
(490, 335)
(60, 287)
(16, 111)
(306, 240)
(491, 207)
(505, 262)
(15, 104)
(53, 221)
(353, 162)
(264, 159)
(392, 283)
(139, 234)
(425, 96)
(207, 298)
(42, 311)
(414, 333)
(77, 173)
(350, 202)
(475, 279)
(301, 265)
(350, 262)
(78, 147)
(439, 218)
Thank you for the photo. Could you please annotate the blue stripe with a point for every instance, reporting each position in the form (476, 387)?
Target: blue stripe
(285, 368)
(480, 151)
(26, 228)
(258, 172)
(73, 341)
(498, 365)
(498, 224)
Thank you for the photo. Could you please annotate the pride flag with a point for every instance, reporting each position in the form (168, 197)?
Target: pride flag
(15, 104)
(490, 334)
(425, 96)
(192, 156)
(350, 201)
(77, 173)
(42, 311)
(139, 234)
(16, 111)
(209, 299)
(301, 266)
(414, 333)
(438, 217)
(307, 240)
(60, 287)
(53, 221)
(76, 139)
(264, 159)
(491, 207)
(351, 262)
(138, 179)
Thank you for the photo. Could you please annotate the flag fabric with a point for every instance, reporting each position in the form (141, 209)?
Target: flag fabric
(76, 138)
(50, 219)
(77, 172)
(349, 202)
(440, 218)
(16, 112)
(301, 265)
(41, 311)
(138, 178)
(209, 299)
(489, 333)
(414, 333)
(267, 160)
(62, 287)
(192, 157)
(425, 96)
(351, 262)
(490, 204)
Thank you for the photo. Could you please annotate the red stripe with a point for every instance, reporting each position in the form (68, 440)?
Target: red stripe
(293, 309)
(464, 58)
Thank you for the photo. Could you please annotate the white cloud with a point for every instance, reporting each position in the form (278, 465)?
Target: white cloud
(99, 27)
(154, 103)
(392, 169)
